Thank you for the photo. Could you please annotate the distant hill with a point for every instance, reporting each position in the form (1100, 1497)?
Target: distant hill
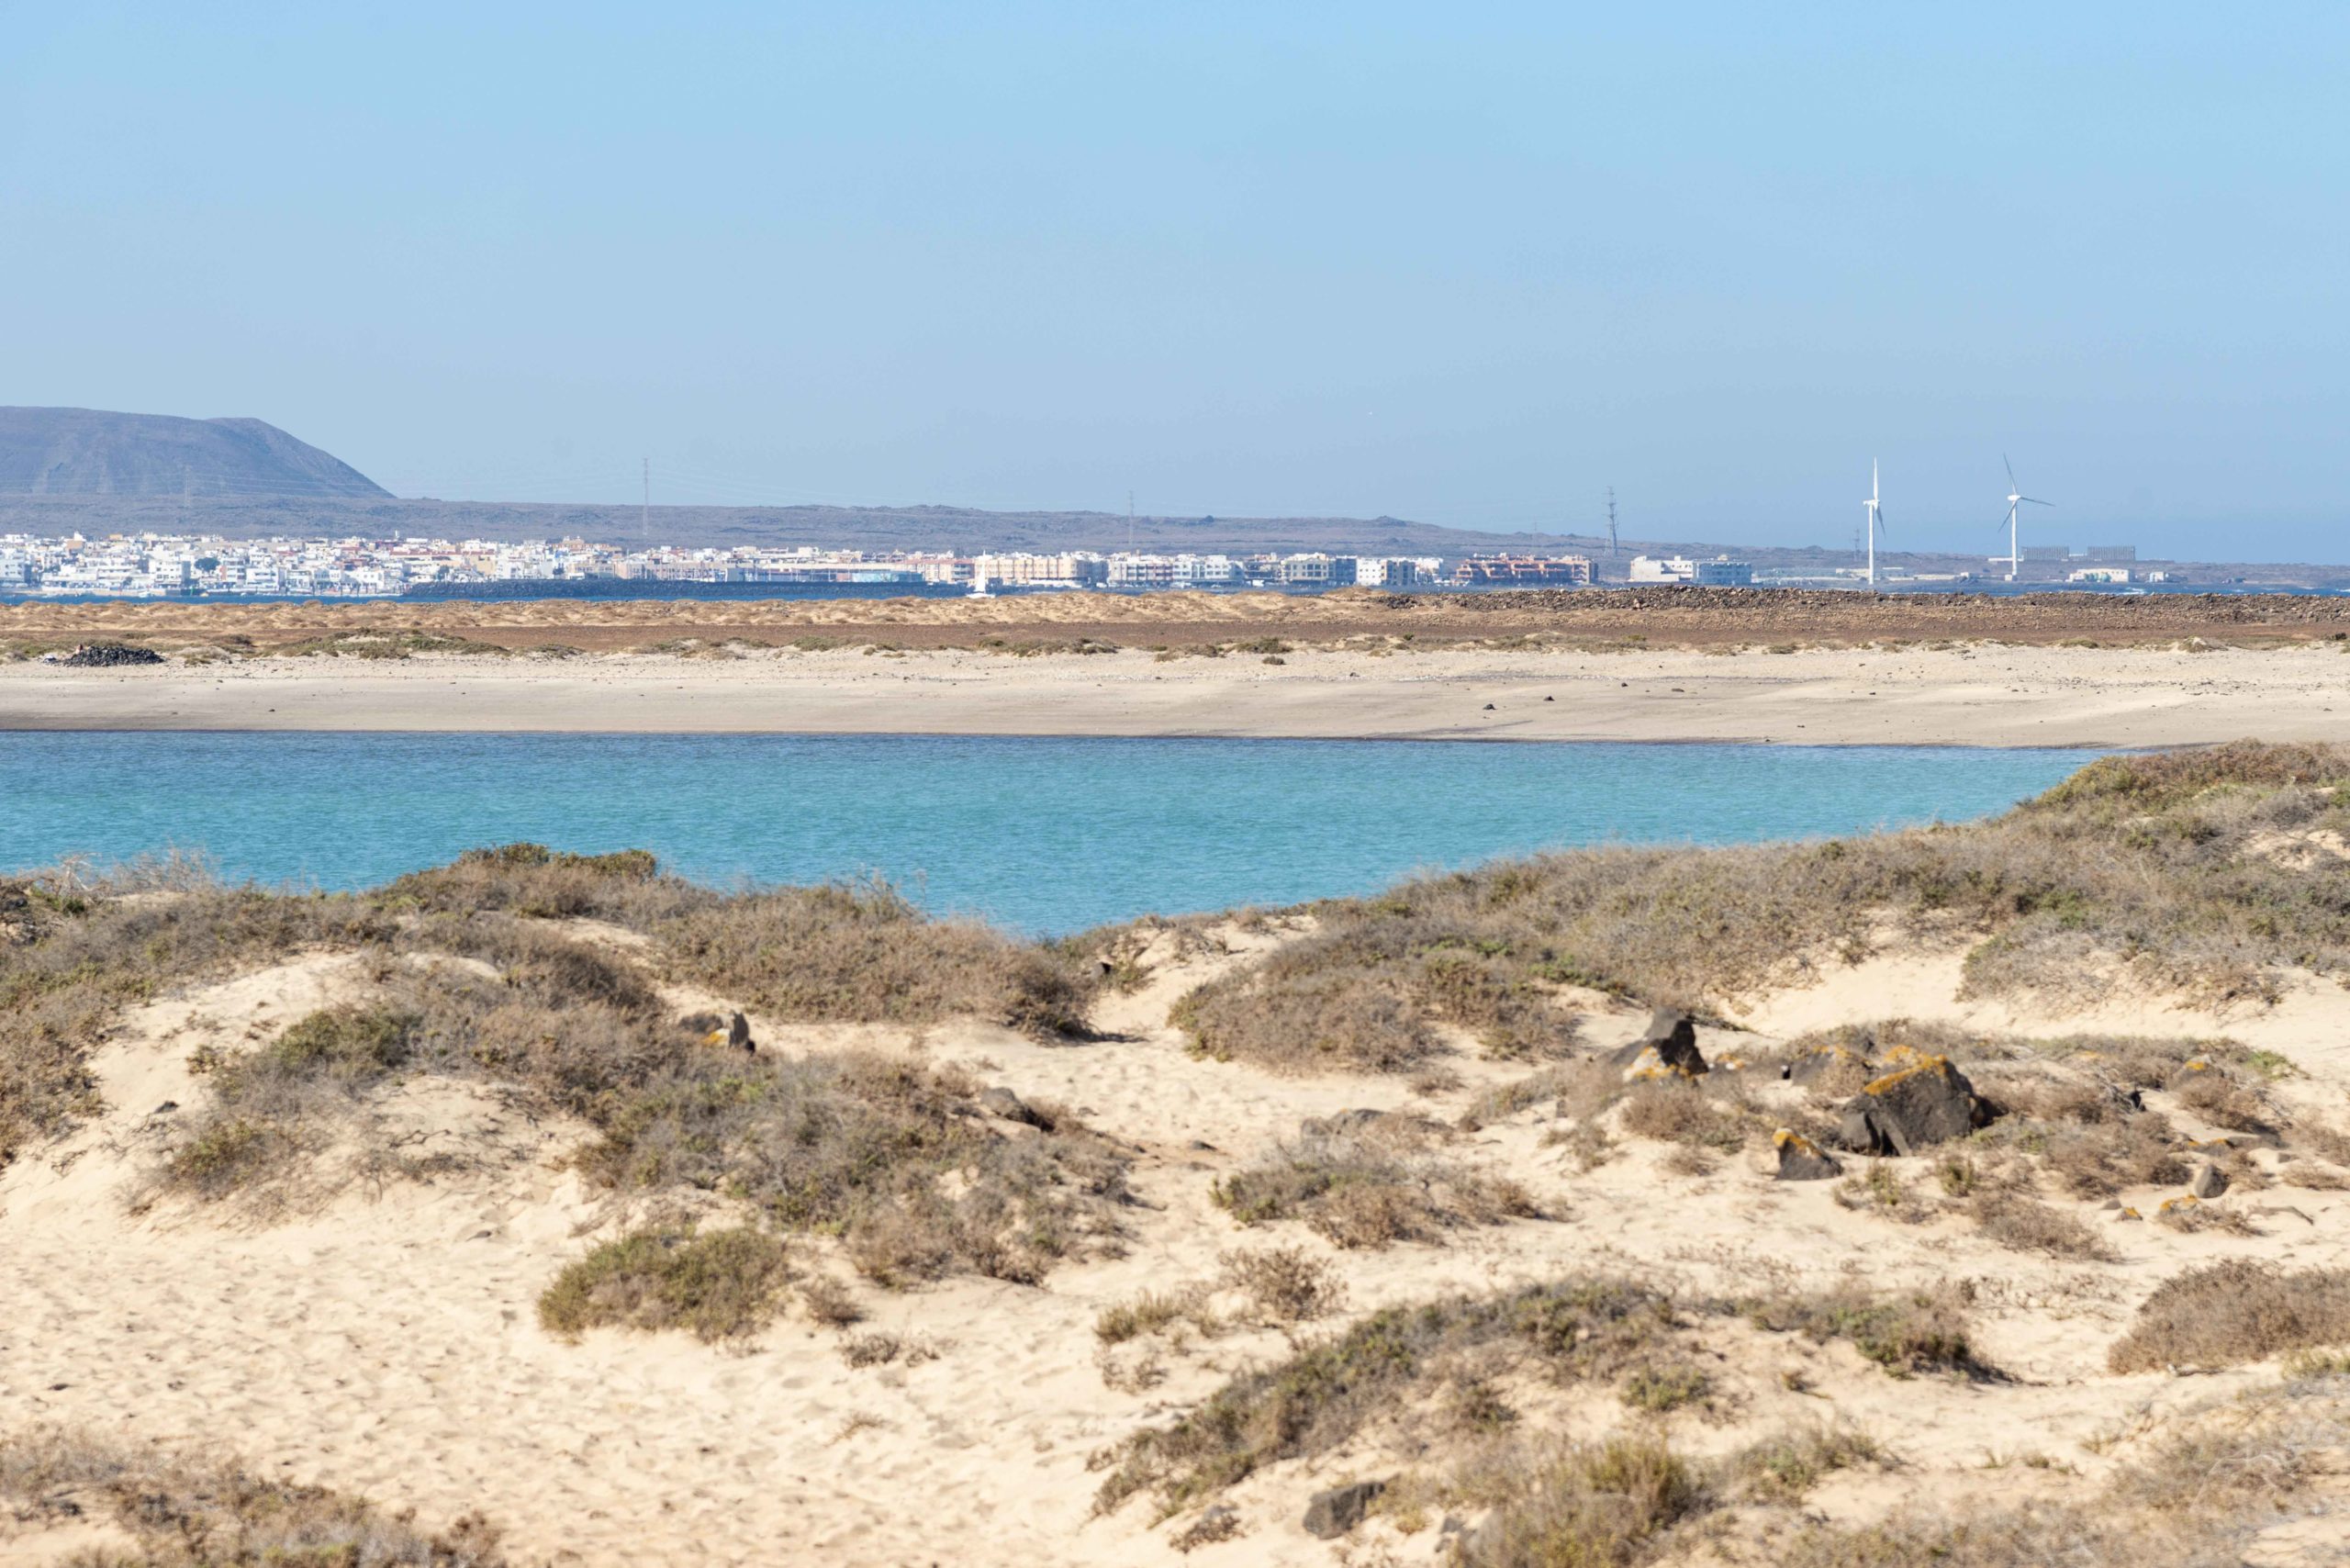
(91, 453)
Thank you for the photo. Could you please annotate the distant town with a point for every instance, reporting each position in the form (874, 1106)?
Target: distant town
(159, 566)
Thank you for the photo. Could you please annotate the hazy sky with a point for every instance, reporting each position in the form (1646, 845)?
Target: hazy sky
(1464, 264)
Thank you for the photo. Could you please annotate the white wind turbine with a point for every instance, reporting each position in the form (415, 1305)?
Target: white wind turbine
(2016, 499)
(1877, 519)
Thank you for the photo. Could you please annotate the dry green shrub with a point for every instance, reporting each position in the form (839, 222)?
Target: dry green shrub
(1283, 1285)
(1370, 1001)
(2230, 1465)
(2312, 1177)
(1879, 1188)
(829, 1303)
(1902, 1331)
(862, 954)
(2224, 1100)
(855, 952)
(210, 1513)
(2229, 1313)
(2101, 1160)
(718, 1284)
(1785, 1466)
(2191, 1217)
(1147, 1313)
(1360, 1191)
(1581, 1088)
(891, 1156)
(1591, 1505)
(1665, 1387)
(1674, 1110)
(1306, 1024)
(626, 886)
(2021, 1223)
(2325, 1142)
(1584, 1328)
(1586, 1144)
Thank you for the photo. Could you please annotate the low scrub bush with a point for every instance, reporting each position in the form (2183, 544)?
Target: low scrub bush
(75, 951)
(1785, 1466)
(2229, 1313)
(211, 1512)
(2136, 861)
(1285, 1284)
(718, 1284)
(1902, 1331)
(2028, 1535)
(1359, 1193)
(1591, 1505)
(897, 1159)
(1584, 1328)
(1677, 1111)
(862, 954)
(2023, 1224)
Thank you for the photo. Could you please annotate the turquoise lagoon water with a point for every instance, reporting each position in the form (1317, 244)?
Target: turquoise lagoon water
(1044, 834)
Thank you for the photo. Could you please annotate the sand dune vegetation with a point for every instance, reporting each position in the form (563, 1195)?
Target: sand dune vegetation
(1967, 1196)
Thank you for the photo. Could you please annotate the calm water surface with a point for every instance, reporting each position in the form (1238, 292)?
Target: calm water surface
(1047, 834)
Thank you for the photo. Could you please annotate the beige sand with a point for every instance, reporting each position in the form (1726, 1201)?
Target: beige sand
(388, 1344)
(1973, 695)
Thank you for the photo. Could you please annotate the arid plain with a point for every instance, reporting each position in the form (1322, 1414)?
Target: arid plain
(1823, 669)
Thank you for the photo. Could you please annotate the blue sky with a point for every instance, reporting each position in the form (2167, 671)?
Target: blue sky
(1470, 264)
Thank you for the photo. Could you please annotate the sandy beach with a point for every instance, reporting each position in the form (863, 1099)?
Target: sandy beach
(1977, 694)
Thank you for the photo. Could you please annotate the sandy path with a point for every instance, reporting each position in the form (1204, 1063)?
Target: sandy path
(1988, 695)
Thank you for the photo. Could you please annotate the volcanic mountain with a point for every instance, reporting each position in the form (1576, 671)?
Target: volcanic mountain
(90, 451)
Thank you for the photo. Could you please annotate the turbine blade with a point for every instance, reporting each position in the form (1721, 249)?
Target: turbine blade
(2011, 470)
(2035, 500)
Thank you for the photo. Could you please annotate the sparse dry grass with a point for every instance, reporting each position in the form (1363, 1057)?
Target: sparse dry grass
(2028, 1535)
(1785, 1466)
(2021, 1223)
(210, 1513)
(1902, 1331)
(2229, 1313)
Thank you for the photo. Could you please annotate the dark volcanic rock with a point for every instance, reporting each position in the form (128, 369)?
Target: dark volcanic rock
(1335, 1512)
(1668, 1050)
(1911, 1109)
(1800, 1160)
(102, 656)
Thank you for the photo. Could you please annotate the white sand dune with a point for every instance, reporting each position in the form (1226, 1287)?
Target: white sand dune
(386, 1342)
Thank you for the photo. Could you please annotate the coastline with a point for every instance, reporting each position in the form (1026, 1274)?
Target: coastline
(1982, 695)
